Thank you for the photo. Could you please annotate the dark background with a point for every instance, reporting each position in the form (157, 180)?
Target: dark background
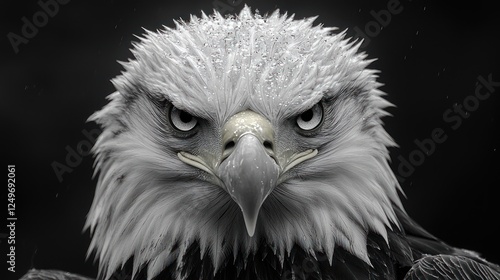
(429, 54)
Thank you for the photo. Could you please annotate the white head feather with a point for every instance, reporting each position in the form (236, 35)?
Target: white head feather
(150, 206)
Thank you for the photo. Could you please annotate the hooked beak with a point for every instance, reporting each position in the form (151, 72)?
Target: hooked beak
(249, 175)
(249, 170)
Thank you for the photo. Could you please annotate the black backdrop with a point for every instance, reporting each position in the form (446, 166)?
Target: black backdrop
(430, 56)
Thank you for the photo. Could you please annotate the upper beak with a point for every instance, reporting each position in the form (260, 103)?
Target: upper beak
(249, 172)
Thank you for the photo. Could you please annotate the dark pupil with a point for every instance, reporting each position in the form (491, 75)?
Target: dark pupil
(307, 115)
(185, 117)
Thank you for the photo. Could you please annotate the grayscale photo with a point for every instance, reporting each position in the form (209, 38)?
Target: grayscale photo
(211, 140)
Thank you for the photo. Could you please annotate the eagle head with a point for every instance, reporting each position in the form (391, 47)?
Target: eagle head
(227, 134)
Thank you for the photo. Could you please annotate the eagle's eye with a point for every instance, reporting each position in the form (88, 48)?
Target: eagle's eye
(182, 120)
(311, 118)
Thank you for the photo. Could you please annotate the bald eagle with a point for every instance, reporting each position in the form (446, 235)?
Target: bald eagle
(252, 147)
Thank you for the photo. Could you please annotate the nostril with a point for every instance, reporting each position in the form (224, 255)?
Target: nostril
(268, 145)
(229, 145)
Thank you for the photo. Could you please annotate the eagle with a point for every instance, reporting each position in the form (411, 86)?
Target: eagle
(252, 147)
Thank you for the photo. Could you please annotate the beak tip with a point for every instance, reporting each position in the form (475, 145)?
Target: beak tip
(250, 232)
(250, 224)
(250, 215)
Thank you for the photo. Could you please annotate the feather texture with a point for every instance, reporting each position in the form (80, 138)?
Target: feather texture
(446, 267)
(340, 213)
